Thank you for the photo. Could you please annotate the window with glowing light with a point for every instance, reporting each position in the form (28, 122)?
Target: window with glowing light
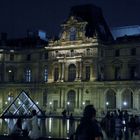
(28, 75)
(45, 75)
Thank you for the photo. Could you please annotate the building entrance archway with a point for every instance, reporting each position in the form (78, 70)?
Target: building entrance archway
(71, 96)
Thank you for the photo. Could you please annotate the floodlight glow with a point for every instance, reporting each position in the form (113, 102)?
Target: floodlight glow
(68, 103)
(125, 103)
(9, 71)
(50, 103)
(107, 103)
(9, 98)
(83, 103)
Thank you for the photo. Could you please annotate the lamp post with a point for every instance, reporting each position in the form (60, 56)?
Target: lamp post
(50, 106)
(83, 105)
(107, 104)
(68, 103)
(125, 103)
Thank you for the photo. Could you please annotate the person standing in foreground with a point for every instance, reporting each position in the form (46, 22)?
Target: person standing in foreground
(35, 130)
(89, 129)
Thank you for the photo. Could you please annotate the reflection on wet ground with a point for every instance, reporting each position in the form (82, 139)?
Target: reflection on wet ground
(61, 128)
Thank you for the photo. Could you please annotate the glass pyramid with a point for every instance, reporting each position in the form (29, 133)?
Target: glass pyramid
(22, 106)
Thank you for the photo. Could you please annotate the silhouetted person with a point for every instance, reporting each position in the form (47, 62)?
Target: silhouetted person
(64, 113)
(88, 129)
(17, 129)
(35, 129)
(118, 128)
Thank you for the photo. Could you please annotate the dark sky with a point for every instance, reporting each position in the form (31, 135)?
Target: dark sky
(17, 16)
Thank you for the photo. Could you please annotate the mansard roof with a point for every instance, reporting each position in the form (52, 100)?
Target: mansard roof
(96, 22)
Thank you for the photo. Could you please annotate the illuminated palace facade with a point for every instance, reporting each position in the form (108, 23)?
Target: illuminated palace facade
(84, 66)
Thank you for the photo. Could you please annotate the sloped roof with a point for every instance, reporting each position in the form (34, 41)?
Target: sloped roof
(21, 106)
(125, 31)
(96, 22)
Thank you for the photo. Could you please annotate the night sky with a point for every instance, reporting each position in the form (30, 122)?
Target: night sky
(18, 16)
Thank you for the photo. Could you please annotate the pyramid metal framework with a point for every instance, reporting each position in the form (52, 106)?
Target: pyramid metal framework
(22, 105)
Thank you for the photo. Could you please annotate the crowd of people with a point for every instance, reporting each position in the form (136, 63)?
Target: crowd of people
(118, 124)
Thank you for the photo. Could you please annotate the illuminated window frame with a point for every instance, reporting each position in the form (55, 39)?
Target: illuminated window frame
(28, 75)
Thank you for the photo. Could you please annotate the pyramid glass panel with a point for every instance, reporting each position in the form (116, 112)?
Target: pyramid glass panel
(22, 105)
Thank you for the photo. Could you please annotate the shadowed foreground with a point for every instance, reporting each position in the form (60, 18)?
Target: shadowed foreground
(2, 137)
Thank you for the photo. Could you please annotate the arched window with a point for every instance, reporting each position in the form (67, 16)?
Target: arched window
(110, 99)
(127, 99)
(72, 33)
(56, 74)
(71, 73)
(71, 100)
(28, 75)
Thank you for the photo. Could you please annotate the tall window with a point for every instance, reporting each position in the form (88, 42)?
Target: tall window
(87, 78)
(46, 55)
(72, 52)
(133, 51)
(28, 75)
(88, 51)
(117, 73)
(45, 75)
(71, 73)
(28, 57)
(11, 57)
(117, 52)
(133, 72)
(102, 53)
(56, 74)
(72, 33)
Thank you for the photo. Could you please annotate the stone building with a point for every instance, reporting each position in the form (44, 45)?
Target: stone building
(84, 66)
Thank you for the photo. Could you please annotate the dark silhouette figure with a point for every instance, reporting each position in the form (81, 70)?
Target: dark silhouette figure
(64, 113)
(88, 128)
(17, 129)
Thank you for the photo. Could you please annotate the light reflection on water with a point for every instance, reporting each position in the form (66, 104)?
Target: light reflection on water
(50, 127)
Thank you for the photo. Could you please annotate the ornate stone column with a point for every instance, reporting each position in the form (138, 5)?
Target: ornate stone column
(77, 71)
(136, 100)
(63, 72)
(118, 100)
(60, 71)
(80, 70)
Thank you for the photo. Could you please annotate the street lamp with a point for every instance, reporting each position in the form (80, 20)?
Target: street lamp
(125, 103)
(83, 105)
(68, 103)
(107, 103)
(50, 104)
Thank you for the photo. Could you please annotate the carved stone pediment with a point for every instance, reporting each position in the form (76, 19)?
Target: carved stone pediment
(73, 29)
